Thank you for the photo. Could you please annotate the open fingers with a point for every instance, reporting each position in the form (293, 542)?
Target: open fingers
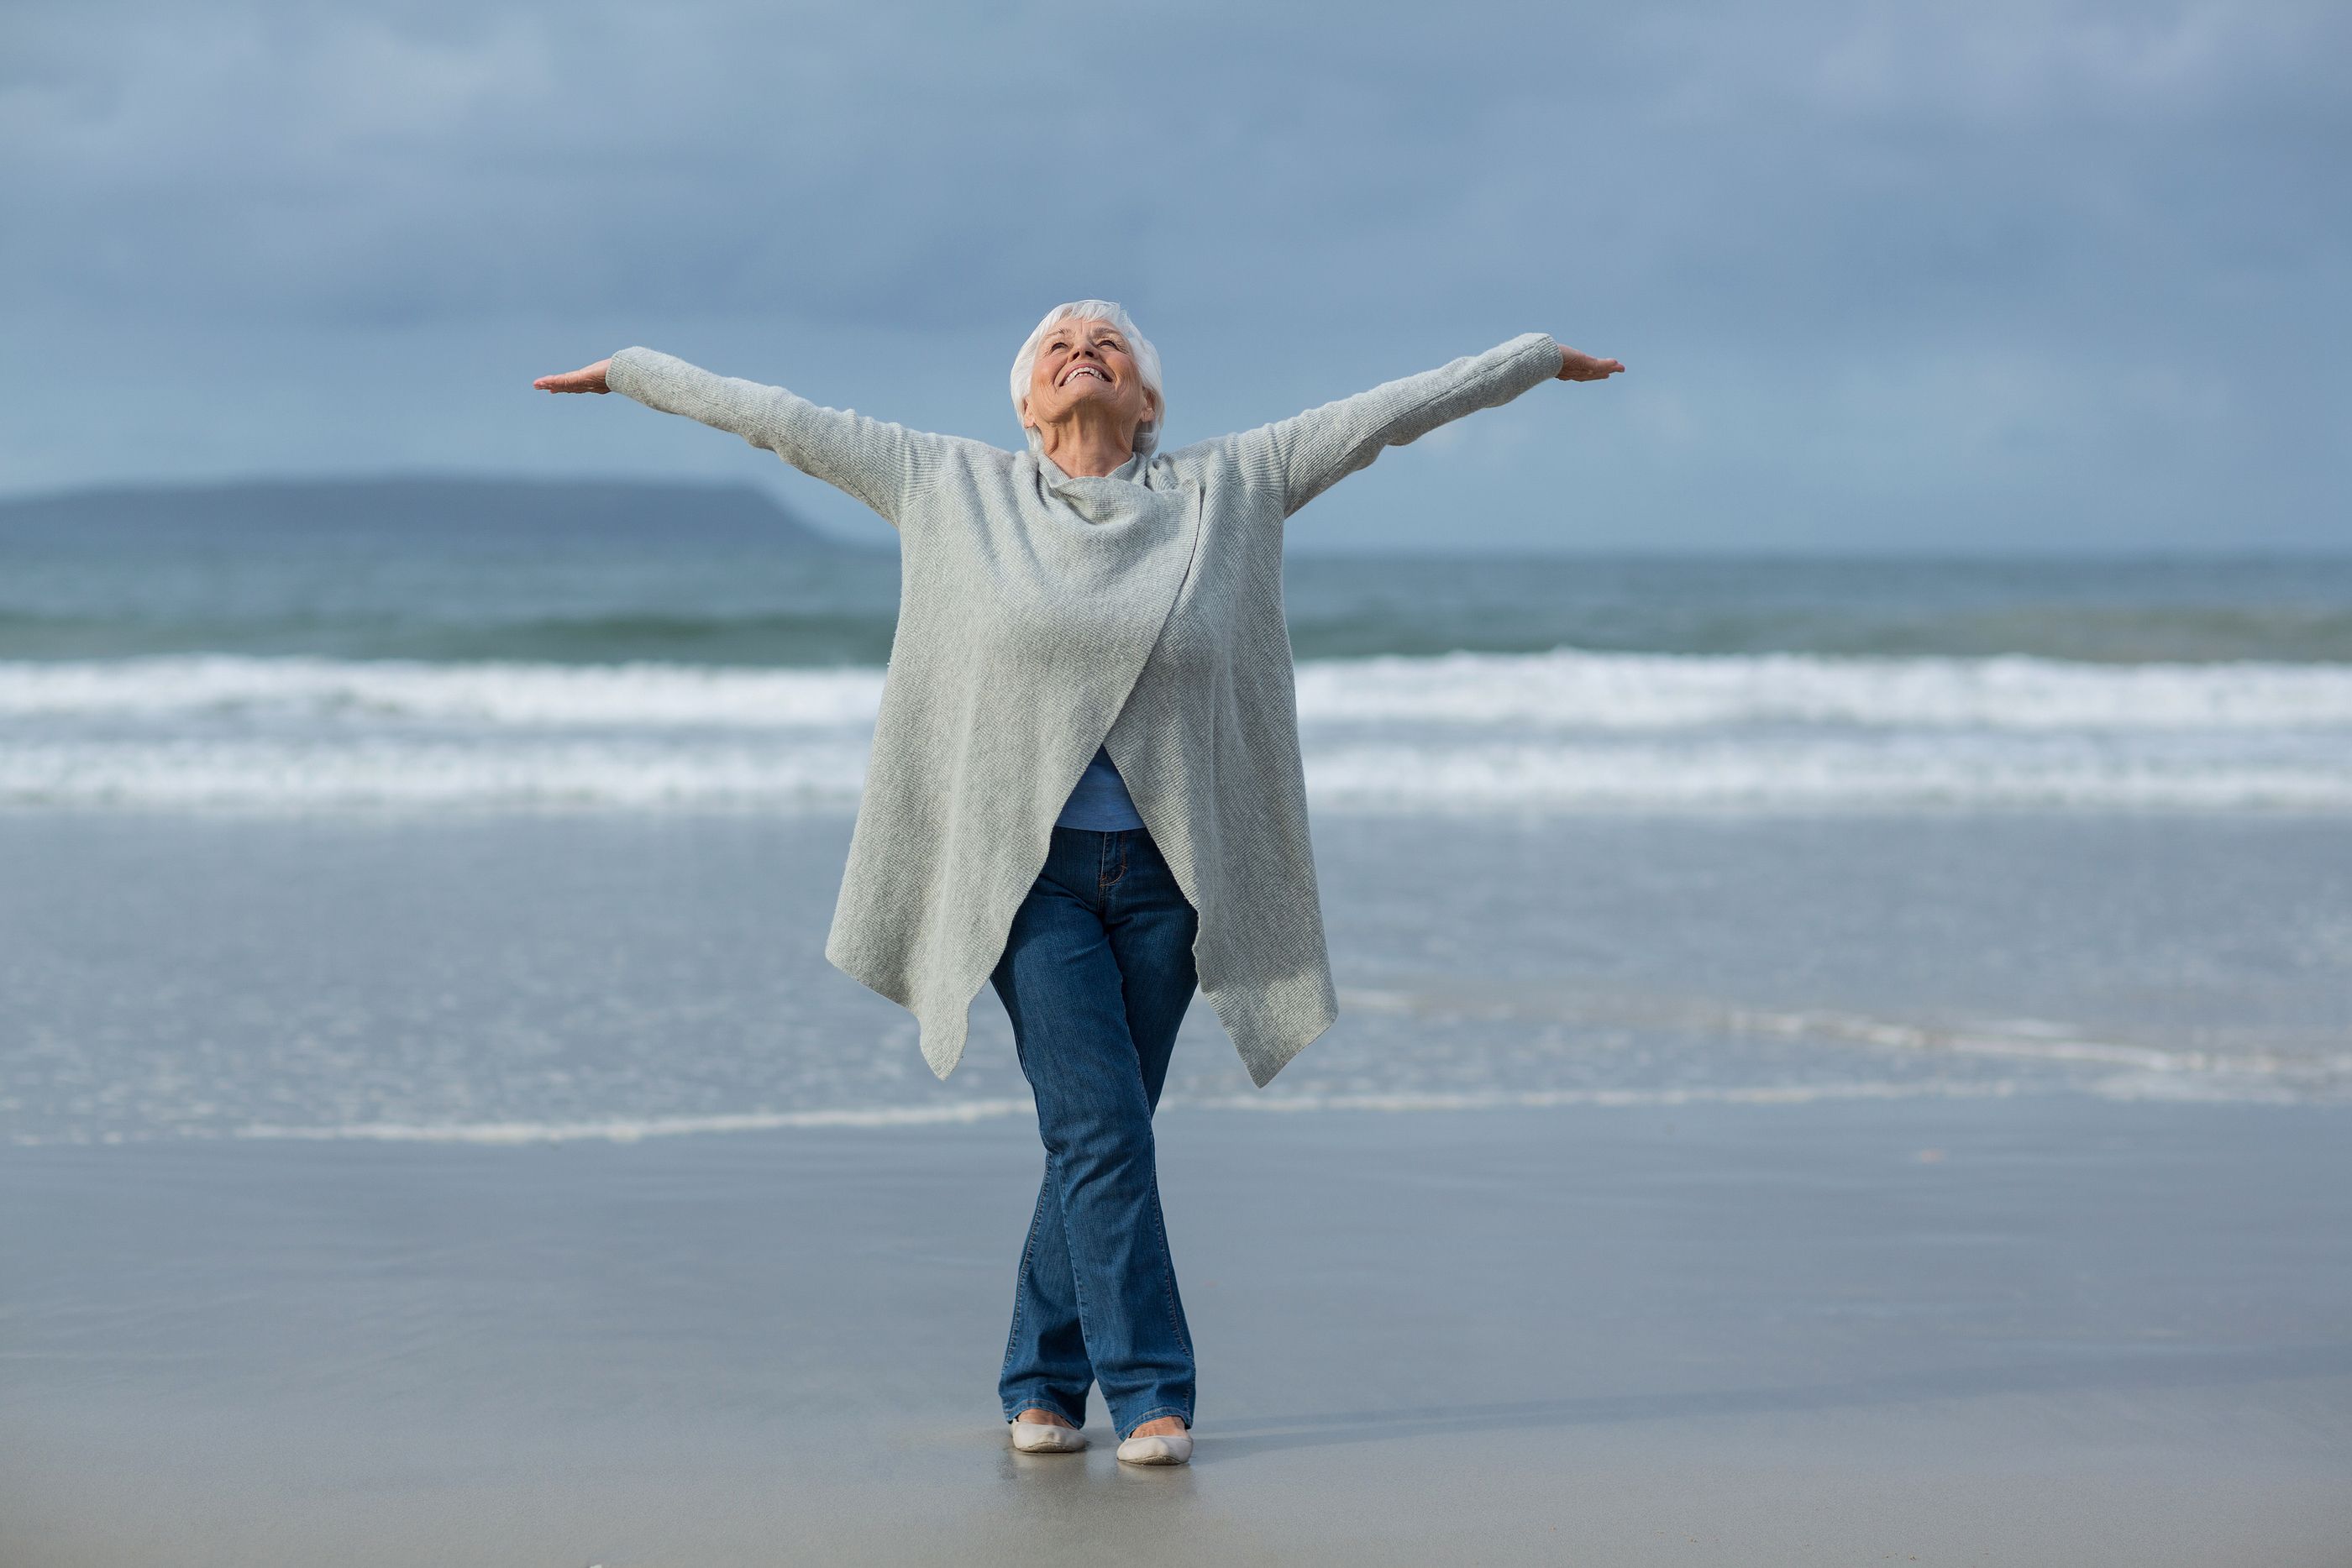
(590, 378)
(1576, 365)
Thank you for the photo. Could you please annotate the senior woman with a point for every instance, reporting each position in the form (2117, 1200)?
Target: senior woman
(1085, 787)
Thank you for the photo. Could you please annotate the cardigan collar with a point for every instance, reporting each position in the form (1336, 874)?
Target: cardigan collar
(1132, 470)
(1147, 444)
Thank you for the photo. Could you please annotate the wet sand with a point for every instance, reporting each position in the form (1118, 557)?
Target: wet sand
(2054, 1329)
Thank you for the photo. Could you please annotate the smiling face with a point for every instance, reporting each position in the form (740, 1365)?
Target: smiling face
(1085, 367)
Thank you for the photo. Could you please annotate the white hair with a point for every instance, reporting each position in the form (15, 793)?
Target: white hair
(1147, 364)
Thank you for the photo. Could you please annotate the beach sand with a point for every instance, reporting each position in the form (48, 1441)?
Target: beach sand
(2053, 1330)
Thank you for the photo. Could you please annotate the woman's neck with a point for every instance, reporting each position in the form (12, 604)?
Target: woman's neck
(1085, 447)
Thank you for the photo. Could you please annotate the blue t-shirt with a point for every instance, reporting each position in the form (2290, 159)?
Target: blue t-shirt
(1100, 801)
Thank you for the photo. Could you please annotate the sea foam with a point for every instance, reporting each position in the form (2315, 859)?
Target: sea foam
(1460, 732)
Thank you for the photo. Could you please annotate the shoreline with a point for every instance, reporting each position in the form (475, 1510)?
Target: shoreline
(2082, 1331)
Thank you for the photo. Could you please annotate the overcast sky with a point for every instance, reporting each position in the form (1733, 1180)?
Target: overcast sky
(1889, 277)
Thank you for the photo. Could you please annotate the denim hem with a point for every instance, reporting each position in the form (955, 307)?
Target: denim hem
(1053, 1409)
(1153, 1415)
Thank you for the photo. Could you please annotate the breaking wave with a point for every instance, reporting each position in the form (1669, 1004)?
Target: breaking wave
(1565, 729)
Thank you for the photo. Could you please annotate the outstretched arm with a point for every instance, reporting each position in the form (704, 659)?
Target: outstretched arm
(1309, 452)
(880, 462)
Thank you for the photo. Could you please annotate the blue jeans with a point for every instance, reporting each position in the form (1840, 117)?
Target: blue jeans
(1095, 976)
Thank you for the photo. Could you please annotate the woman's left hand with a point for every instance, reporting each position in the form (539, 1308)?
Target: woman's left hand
(1575, 366)
(589, 379)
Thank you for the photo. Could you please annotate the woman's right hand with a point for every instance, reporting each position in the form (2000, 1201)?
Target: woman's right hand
(1575, 365)
(590, 380)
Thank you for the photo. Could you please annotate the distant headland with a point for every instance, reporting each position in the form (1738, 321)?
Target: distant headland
(451, 506)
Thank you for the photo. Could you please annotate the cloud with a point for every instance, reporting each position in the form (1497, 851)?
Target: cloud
(1916, 201)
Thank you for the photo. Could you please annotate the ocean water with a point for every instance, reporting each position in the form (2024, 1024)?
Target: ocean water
(283, 672)
(493, 839)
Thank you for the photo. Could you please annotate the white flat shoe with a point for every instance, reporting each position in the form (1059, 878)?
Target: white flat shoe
(1167, 1448)
(1045, 1437)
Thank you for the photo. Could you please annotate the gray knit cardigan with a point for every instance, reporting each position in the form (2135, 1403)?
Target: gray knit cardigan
(1043, 614)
